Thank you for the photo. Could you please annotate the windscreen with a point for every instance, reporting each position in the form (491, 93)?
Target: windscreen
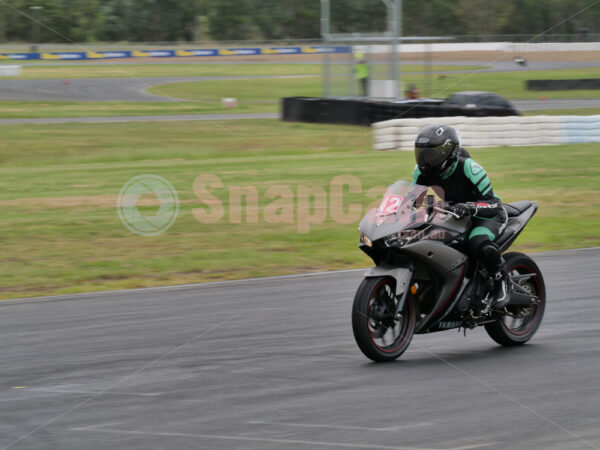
(396, 212)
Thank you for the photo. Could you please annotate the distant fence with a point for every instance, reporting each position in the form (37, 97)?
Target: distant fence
(94, 55)
(400, 134)
(513, 47)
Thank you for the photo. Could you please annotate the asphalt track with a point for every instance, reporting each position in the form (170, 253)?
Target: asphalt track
(272, 364)
(565, 103)
(127, 89)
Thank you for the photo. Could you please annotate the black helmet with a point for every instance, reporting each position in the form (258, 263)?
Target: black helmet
(436, 148)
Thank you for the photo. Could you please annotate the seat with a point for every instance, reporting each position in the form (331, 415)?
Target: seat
(516, 208)
(519, 214)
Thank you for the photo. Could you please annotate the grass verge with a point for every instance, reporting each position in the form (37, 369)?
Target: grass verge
(510, 84)
(28, 109)
(62, 234)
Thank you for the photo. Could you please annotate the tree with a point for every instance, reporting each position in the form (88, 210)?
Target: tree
(175, 20)
(230, 19)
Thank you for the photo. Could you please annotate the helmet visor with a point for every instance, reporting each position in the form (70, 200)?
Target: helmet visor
(431, 157)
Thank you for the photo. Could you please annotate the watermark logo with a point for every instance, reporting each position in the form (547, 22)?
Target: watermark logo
(148, 205)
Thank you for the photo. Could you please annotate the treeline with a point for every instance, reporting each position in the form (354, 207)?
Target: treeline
(188, 20)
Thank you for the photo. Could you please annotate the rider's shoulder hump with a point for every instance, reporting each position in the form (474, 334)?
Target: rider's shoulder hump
(472, 168)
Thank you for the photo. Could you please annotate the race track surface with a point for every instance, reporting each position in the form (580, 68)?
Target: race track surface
(565, 103)
(272, 364)
(126, 89)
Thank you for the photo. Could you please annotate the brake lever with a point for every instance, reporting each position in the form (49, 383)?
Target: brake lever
(452, 213)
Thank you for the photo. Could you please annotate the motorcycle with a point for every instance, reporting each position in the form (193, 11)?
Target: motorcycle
(424, 280)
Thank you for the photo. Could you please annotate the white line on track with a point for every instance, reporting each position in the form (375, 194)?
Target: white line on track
(178, 287)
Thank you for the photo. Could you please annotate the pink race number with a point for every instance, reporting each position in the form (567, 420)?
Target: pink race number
(390, 205)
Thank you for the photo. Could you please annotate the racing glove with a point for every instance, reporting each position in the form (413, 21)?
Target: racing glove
(465, 209)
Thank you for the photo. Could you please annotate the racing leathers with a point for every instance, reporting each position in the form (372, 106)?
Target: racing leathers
(467, 183)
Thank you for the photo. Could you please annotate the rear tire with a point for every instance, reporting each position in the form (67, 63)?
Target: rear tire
(505, 331)
(378, 335)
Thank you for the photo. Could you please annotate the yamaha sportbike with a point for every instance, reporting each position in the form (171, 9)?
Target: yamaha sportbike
(425, 281)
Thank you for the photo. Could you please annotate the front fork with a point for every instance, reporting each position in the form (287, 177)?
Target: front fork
(402, 300)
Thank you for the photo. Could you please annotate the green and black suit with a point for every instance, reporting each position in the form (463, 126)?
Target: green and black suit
(466, 181)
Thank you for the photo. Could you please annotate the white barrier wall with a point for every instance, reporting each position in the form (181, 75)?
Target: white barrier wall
(10, 71)
(513, 47)
(400, 134)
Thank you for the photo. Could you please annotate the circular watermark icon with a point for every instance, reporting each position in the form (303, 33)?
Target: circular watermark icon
(156, 192)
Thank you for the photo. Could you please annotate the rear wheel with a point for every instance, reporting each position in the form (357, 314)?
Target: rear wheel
(521, 322)
(379, 335)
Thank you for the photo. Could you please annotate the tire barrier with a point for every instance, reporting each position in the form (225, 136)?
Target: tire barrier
(400, 134)
(563, 85)
(364, 112)
(325, 110)
(10, 71)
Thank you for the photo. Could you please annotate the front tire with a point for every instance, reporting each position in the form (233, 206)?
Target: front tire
(378, 335)
(511, 331)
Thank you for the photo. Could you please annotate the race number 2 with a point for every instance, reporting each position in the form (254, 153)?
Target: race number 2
(390, 205)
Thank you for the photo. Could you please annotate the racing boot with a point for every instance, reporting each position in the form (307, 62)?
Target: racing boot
(500, 293)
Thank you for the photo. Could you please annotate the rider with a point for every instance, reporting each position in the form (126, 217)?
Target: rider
(441, 161)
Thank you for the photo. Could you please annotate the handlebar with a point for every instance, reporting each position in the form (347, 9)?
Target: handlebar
(452, 213)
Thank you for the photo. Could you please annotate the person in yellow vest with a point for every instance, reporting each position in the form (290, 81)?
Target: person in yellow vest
(362, 71)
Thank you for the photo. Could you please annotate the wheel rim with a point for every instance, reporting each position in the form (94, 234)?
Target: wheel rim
(387, 334)
(522, 325)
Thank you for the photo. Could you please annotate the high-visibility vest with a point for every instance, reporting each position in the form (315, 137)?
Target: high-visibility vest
(362, 71)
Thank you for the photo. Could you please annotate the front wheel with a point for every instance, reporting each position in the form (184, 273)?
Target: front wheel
(521, 323)
(379, 335)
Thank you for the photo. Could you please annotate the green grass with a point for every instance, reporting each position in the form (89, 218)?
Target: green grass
(42, 109)
(510, 84)
(59, 183)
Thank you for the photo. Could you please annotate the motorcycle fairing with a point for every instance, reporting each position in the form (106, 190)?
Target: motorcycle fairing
(400, 274)
(448, 263)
